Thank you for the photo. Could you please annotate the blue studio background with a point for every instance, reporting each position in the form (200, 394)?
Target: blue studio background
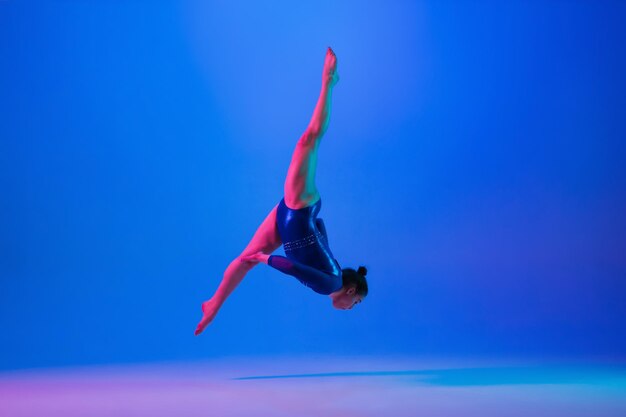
(475, 163)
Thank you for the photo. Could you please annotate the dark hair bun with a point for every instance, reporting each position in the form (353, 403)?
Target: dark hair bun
(362, 270)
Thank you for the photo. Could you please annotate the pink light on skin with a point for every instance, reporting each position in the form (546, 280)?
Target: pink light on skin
(266, 238)
(345, 298)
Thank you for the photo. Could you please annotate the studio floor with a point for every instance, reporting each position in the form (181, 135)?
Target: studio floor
(317, 386)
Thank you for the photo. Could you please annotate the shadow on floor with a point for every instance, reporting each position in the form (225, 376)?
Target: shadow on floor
(614, 376)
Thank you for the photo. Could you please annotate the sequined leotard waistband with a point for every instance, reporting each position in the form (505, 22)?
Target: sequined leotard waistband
(301, 243)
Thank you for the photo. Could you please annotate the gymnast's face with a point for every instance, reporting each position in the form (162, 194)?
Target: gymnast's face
(347, 299)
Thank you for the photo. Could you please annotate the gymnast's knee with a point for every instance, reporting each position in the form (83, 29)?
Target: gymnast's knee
(309, 138)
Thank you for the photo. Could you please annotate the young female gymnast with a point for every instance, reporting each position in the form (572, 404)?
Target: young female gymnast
(294, 223)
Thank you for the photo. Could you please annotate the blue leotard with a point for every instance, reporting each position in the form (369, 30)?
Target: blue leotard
(308, 257)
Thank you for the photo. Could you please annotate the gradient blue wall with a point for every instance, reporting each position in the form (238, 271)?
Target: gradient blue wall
(475, 162)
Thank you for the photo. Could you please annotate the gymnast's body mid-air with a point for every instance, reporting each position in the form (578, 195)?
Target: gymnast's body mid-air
(294, 224)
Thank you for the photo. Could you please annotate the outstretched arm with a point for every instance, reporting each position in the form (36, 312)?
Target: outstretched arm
(319, 281)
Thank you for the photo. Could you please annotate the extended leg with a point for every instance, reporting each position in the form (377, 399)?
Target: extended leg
(300, 190)
(266, 240)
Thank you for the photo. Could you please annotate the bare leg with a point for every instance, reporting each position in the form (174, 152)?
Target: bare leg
(300, 190)
(266, 240)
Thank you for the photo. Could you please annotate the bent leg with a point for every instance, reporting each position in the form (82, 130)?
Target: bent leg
(266, 239)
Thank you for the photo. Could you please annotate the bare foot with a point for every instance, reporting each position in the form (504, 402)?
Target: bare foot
(209, 310)
(329, 75)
